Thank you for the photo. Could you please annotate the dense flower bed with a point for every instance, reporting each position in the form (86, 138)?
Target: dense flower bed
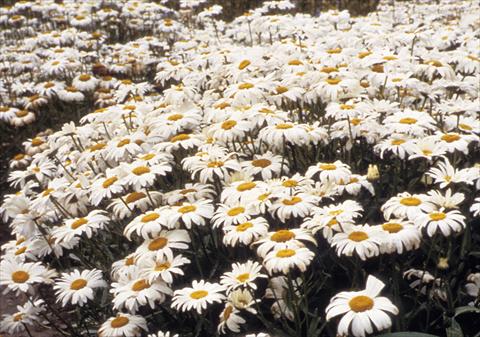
(279, 175)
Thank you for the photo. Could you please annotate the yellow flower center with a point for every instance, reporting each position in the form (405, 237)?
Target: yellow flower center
(215, 164)
(140, 285)
(175, 117)
(17, 317)
(244, 64)
(290, 183)
(37, 141)
(282, 235)
(243, 277)
(20, 276)
(285, 253)
(157, 244)
(135, 196)
(227, 125)
(295, 63)
(196, 295)
(150, 217)
(243, 227)
(245, 86)
(358, 236)
(465, 127)
(333, 81)
(377, 68)
(123, 142)
(21, 113)
(187, 209)
(293, 201)
(364, 54)
(392, 227)
(84, 77)
(261, 163)
(427, 152)
(361, 303)
(129, 261)
(328, 167)
(162, 266)
(434, 63)
(79, 222)
(450, 137)
(334, 51)
(140, 170)
(179, 137)
(437, 216)
(78, 284)
(20, 250)
(410, 201)
(235, 211)
(119, 321)
(329, 70)
(397, 142)
(283, 126)
(227, 312)
(390, 58)
(246, 186)
(97, 147)
(281, 89)
(408, 120)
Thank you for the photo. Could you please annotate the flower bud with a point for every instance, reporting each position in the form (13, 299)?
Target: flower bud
(372, 173)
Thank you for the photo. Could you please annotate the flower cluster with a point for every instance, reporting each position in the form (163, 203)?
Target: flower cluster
(240, 175)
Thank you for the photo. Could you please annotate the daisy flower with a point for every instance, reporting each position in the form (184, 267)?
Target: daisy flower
(27, 314)
(197, 297)
(336, 171)
(190, 214)
(401, 236)
(475, 208)
(283, 238)
(140, 175)
(363, 240)
(245, 233)
(147, 224)
(164, 268)
(89, 225)
(445, 174)
(266, 165)
(406, 205)
(362, 311)
(283, 260)
(228, 215)
(123, 325)
(242, 275)
(22, 276)
(440, 221)
(298, 205)
(78, 287)
(163, 244)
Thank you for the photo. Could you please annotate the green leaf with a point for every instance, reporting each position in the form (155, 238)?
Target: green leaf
(462, 310)
(406, 334)
(454, 330)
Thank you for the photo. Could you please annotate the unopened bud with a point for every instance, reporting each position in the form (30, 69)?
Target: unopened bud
(442, 263)
(372, 173)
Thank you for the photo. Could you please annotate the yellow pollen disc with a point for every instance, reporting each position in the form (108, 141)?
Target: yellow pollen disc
(148, 156)
(392, 227)
(377, 68)
(235, 211)
(283, 126)
(123, 142)
(397, 142)
(263, 197)
(245, 86)
(346, 106)
(150, 217)
(332, 222)
(450, 137)
(282, 235)
(261, 163)
(175, 117)
(20, 241)
(355, 121)
(285, 253)
(396, 79)
(329, 70)
(187, 209)
(364, 54)
(227, 125)
(244, 64)
(119, 321)
(290, 183)
(135, 196)
(162, 266)
(18, 317)
(293, 201)
(84, 77)
(215, 164)
(390, 58)
(295, 63)
(243, 277)
(157, 244)
(126, 82)
(410, 201)
(243, 227)
(140, 170)
(109, 181)
(465, 127)
(196, 295)
(179, 137)
(47, 192)
(79, 222)
(427, 152)
(20, 250)
(434, 63)
(281, 89)
(97, 147)
(129, 261)
(358, 236)
(265, 111)
(437, 216)
(37, 141)
(21, 113)
(361, 303)
(334, 51)
(327, 167)
(246, 186)
(333, 81)
(222, 105)
(20, 276)
(364, 84)
(78, 284)
(407, 120)
(140, 285)
(227, 312)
